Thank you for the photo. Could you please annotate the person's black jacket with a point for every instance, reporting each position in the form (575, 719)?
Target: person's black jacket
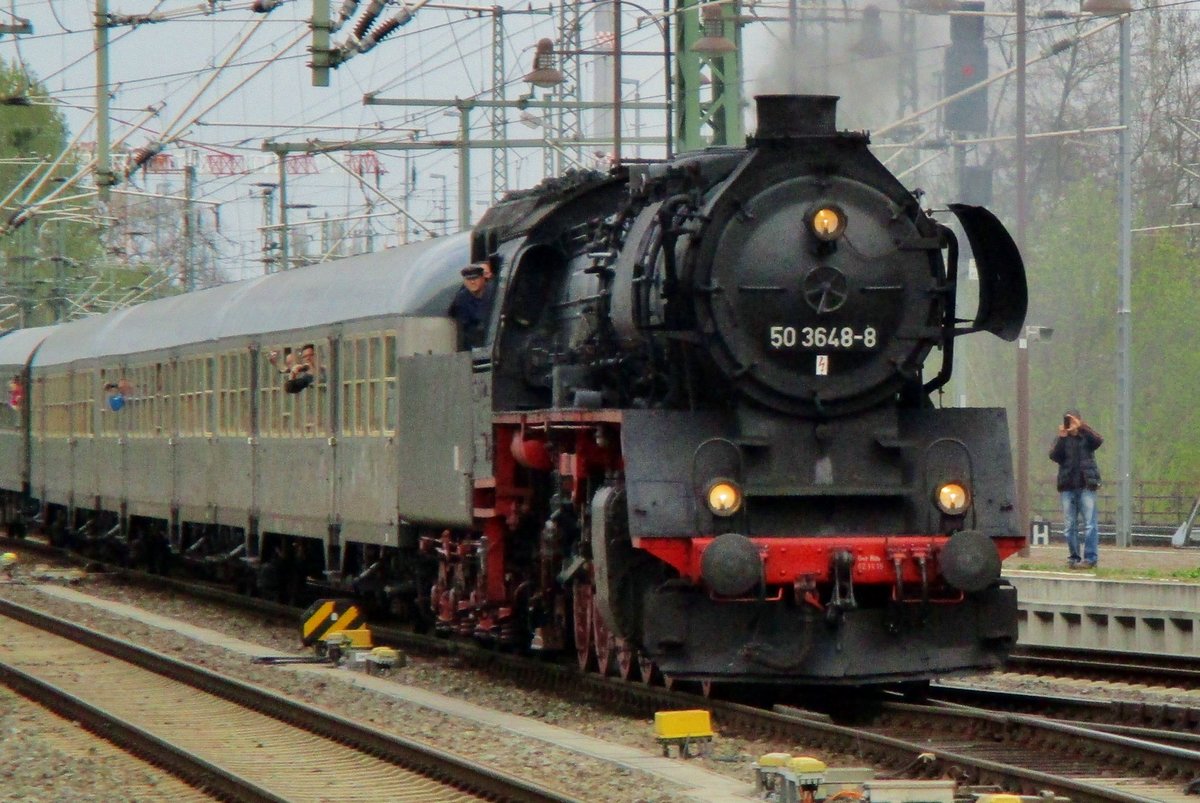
(471, 312)
(1076, 460)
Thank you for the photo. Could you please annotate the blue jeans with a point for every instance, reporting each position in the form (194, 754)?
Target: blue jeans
(1077, 503)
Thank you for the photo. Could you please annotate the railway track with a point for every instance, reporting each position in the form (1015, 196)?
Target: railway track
(1174, 671)
(237, 741)
(1158, 721)
(1085, 762)
(1027, 755)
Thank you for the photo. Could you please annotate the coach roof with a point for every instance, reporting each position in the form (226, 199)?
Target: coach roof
(18, 344)
(418, 279)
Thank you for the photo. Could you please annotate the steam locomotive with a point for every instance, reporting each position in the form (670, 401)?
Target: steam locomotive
(698, 441)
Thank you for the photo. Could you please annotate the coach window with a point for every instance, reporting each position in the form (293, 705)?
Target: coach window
(109, 424)
(162, 408)
(82, 395)
(137, 403)
(304, 412)
(10, 411)
(38, 404)
(209, 407)
(57, 405)
(268, 390)
(350, 388)
(234, 402)
(239, 393)
(167, 388)
(246, 381)
(245, 406)
(195, 396)
(390, 413)
(376, 396)
(143, 402)
(274, 404)
(363, 393)
(134, 406)
(151, 394)
(183, 387)
(315, 399)
(225, 382)
(295, 415)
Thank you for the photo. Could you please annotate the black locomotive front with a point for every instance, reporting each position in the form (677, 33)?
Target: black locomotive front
(762, 318)
(821, 287)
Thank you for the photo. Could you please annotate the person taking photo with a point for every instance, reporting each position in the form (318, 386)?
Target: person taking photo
(1078, 479)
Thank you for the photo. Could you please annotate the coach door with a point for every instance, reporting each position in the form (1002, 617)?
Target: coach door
(437, 434)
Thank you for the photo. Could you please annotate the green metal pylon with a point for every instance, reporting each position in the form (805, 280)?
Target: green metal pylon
(708, 114)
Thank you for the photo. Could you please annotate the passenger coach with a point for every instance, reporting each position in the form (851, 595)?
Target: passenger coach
(167, 423)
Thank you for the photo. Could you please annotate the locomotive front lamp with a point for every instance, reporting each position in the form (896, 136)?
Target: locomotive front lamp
(827, 223)
(953, 498)
(724, 498)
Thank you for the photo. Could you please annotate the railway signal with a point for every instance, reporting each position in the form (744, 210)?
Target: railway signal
(966, 65)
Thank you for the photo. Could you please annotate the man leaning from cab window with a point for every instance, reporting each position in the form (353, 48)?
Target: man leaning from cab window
(471, 305)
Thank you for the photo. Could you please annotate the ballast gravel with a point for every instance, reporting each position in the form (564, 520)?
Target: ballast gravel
(557, 768)
(38, 764)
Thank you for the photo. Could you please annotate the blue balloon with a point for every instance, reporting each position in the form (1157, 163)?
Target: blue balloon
(116, 402)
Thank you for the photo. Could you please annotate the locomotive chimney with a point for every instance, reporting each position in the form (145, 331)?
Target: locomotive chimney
(789, 116)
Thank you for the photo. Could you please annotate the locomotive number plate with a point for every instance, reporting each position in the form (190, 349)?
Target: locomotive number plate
(823, 337)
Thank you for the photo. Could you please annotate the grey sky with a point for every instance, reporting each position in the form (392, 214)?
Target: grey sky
(442, 53)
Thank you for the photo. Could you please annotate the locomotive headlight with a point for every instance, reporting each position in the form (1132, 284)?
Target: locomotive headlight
(724, 498)
(827, 223)
(953, 498)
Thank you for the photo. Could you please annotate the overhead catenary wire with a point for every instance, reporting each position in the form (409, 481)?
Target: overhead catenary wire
(182, 135)
(169, 137)
(365, 184)
(213, 77)
(28, 207)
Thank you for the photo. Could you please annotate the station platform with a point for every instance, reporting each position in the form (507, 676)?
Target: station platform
(1124, 562)
(1140, 600)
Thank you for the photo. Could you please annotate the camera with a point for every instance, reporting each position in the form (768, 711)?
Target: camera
(1066, 421)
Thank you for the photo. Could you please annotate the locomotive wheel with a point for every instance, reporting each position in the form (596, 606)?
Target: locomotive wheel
(648, 668)
(581, 603)
(627, 661)
(606, 645)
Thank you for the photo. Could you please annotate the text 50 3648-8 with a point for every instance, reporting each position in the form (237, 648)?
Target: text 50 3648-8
(823, 337)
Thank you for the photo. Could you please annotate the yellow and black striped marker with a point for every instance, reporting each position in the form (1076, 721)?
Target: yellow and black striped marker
(325, 617)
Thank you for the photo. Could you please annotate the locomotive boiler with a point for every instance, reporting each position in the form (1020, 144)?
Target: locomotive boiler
(698, 441)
